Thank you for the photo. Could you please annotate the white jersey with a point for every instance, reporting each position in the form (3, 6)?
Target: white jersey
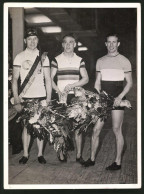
(24, 61)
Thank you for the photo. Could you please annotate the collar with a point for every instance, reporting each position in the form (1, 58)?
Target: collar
(36, 51)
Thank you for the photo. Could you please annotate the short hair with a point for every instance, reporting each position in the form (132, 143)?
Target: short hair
(69, 35)
(113, 34)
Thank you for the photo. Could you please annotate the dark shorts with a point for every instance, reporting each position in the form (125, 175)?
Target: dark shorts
(114, 88)
(39, 99)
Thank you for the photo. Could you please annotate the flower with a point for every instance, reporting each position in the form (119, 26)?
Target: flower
(51, 138)
(34, 119)
(97, 105)
(125, 103)
(52, 119)
(43, 103)
(36, 126)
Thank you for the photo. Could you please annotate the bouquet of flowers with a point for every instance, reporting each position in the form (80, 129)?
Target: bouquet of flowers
(87, 107)
(57, 121)
(47, 122)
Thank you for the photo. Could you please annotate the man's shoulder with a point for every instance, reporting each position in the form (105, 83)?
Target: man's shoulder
(122, 57)
(77, 57)
(20, 54)
(102, 58)
(59, 56)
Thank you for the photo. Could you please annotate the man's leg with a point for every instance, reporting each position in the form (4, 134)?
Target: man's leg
(117, 120)
(26, 141)
(78, 140)
(40, 151)
(95, 138)
(94, 142)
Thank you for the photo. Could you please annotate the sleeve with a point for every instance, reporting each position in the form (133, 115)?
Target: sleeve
(98, 66)
(17, 61)
(127, 66)
(82, 63)
(46, 62)
(54, 63)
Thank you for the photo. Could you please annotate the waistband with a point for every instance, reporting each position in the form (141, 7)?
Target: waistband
(111, 83)
(40, 98)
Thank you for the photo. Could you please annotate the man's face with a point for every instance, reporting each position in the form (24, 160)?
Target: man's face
(31, 42)
(68, 44)
(112, 44)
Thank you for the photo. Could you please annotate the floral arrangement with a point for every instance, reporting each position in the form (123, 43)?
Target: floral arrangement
(47, 123)
(87, 107)
(57, 121)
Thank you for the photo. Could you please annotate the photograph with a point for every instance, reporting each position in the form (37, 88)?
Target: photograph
(72, 96)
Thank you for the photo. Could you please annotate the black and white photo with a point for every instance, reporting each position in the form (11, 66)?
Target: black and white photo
(72, 95)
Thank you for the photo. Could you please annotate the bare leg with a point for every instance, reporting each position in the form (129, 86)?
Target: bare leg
(117, 120)
(78, 140)
(26, 140)
(95, 138)
(40, 147)
(61, 155)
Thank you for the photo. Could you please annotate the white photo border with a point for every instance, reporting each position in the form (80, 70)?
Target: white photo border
(5, 97)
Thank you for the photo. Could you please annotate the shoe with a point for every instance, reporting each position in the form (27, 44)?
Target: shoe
(113, 166)
(89, 162)
(23, 160)
(80, 160)
(41, 160)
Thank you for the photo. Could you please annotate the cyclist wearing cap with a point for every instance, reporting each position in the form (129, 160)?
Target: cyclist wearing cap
(37, 89)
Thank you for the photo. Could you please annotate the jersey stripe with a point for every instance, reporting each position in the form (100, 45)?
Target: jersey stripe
(68, 72)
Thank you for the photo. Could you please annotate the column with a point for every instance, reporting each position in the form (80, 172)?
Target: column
(17, 15)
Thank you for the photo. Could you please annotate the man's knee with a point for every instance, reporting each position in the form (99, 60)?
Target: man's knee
(117, 130)
(96, 132)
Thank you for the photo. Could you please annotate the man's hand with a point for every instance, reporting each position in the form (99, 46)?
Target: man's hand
(117, 101)
(68, 87)
(59, 92)
(18, 107)
(49, 104)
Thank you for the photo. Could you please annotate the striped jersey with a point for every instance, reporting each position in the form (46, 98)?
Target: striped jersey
(68, 69)
(113, 68)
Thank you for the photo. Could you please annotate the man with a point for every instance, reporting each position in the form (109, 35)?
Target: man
(23, 64)
(111, 71)
(69, 67)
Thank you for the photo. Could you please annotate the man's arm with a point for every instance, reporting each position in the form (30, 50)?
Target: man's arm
(53, 73)
(129, 83)
(84, 80)
(97, 85)
(48, 83)
(17, 100)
